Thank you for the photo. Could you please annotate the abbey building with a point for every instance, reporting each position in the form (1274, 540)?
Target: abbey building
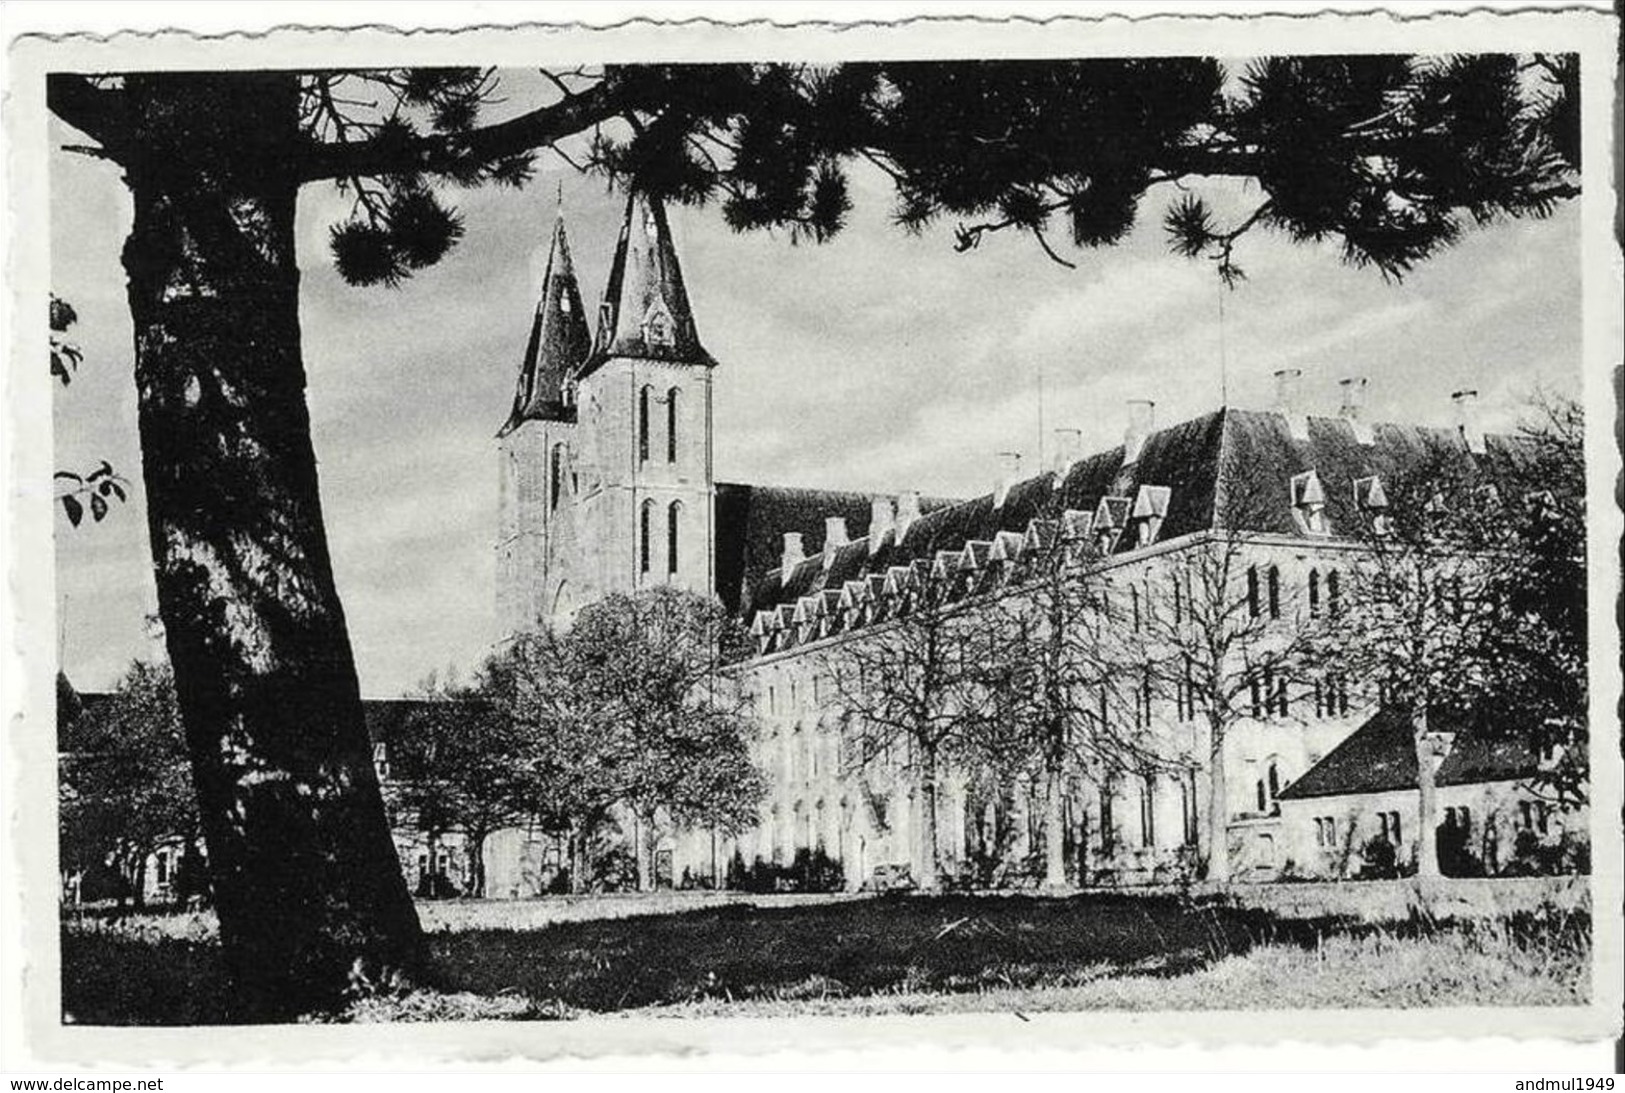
(608, 484)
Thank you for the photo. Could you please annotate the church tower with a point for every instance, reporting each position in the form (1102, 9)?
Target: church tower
(643, 400)
(535, 449)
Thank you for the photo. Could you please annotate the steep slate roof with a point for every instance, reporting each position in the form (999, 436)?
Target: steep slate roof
(645, 282)
(558, 345)
(1380, 755)
(1228, 469)
(751, 522)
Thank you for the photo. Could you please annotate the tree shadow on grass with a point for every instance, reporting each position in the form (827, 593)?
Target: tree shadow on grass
(741, 952)
(932, 944)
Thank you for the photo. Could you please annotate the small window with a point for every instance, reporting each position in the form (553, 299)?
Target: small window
(643, 425)
(645, 520)
(674, 514)
(555, 475)
(671, 425)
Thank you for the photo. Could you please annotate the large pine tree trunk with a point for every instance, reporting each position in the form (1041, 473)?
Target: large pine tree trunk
(305, 875)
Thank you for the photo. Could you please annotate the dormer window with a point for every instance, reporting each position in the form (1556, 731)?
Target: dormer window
(1150, 507)
(1309, 503)
(1372, 500)
(1111, 515)
(657, 326)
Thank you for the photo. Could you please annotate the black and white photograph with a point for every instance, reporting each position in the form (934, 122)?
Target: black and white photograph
(930, 523)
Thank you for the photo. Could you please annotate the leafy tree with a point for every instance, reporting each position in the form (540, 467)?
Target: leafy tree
(463, 768)
(1540, 654)
(627, 709)
(126, 788)
(1426, 611)
(1386, 154)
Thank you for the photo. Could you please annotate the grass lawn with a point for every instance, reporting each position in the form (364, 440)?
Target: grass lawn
(913, 954)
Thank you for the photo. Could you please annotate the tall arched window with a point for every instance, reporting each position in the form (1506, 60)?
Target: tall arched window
(673, 513)
(555, 475)
(1275, 592)
(643, 425)
(1333, 592)
(1314, 593)
(646, 517)
(671, 425)
(1252, 591)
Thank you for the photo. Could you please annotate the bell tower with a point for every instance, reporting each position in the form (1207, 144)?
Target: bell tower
(537, 453)
(643, 406)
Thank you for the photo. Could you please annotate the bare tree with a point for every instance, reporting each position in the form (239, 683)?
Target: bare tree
(1060, 703)
(915, 683)
(1219, 636)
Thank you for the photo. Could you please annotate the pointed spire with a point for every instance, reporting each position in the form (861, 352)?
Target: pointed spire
(559, 341)
(645, 312)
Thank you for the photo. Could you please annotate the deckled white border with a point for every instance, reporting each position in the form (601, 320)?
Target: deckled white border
(32, 803)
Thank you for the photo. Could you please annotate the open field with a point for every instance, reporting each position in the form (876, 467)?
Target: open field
(775, 955)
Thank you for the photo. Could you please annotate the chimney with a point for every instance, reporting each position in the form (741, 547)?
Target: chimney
(1352, 409)
(1068, 450)
(793, 554)
(834, 532)
(882, 518)
(1009, 475)
(1286, 402)
(1141, 415)
(1467, 419)
(908, 511)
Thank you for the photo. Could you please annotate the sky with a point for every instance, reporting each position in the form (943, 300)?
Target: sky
(879, 361)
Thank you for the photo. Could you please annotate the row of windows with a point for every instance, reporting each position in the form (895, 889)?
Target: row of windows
(1270, 695)
(1264, 592)
(645, 396)
(1263, 595)
(1532, 816)
(1190, 820)
(674, 515)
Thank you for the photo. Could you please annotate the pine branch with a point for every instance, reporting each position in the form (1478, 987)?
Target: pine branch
(101, 113)
(441, 153)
